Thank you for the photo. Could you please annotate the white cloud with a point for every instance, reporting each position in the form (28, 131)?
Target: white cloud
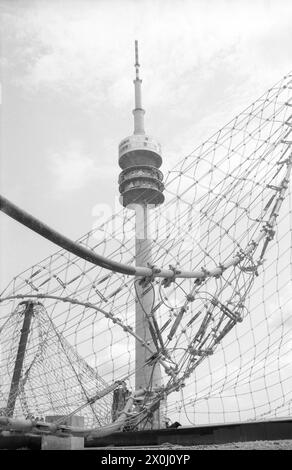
(85, 50)
(73, 168)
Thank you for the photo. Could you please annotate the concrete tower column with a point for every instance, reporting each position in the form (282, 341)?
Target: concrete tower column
(147, 376)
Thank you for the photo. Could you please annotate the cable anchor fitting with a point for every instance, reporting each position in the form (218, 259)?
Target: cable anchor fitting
(270, 232)
(240, 255)
(275, 188)
(222, 269)
(145, 281)
(205, 271)
(190, 297)
(166, 282)
(250, 269)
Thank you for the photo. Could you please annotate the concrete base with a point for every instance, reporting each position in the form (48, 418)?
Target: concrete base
(64, 443)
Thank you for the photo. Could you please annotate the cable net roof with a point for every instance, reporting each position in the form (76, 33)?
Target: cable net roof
(225, 341)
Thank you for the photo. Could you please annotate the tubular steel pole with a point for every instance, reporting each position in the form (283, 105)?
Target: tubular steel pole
(89, 255)
(28, 313)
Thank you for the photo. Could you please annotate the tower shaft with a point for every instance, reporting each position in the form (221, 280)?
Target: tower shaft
(147, 377)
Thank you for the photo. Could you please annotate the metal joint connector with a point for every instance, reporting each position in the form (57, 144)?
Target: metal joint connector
(275, 188)
(190, 297)
(269, 231)
(145, 281)
(168, 280)
(205, 271)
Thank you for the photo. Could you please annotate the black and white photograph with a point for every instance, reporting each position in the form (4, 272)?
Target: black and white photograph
(145, 228)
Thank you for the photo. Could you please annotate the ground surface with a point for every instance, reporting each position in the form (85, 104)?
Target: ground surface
(252, 445)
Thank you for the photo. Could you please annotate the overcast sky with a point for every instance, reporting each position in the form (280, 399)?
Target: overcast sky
(67, 95)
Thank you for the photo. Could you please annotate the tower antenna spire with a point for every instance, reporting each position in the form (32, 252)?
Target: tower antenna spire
(137, 65)
(138, 111)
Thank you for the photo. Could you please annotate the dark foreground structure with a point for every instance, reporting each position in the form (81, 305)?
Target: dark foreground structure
(185, 436)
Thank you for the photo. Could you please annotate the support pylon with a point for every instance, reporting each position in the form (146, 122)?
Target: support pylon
(14, 388)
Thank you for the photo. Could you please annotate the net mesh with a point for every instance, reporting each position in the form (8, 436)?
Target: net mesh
(226, 340)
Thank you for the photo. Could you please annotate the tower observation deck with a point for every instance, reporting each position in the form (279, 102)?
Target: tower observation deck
(140, 181)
